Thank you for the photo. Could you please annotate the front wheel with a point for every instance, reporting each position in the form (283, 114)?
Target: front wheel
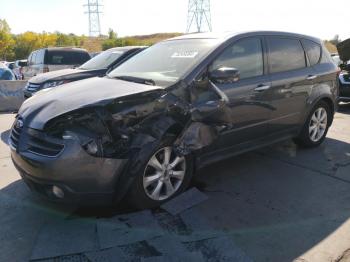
(316, 127)
(165, 175)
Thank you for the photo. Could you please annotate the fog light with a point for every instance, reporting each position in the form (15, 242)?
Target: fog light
(58, 192)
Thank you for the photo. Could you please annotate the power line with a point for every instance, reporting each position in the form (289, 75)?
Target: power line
(94, 11)
(199, 16)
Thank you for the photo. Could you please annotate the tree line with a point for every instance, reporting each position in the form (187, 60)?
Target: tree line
(15, 47)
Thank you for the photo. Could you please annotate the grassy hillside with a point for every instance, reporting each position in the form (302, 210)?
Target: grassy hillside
(94, 44)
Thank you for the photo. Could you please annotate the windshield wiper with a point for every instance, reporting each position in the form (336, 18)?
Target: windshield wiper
(138, 80)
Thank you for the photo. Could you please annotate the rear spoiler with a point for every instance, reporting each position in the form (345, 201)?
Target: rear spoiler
(344, 50)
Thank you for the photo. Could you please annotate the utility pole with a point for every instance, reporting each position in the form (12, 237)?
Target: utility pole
(93, 11)
(199, 16)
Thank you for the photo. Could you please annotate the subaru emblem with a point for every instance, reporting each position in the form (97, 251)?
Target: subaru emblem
(19, 123)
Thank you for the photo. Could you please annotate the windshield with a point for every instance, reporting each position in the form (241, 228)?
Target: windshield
(165, 63)
(103, 60)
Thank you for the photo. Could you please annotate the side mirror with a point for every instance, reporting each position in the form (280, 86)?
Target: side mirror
(11, 66)
(23, 63)
(224, 75)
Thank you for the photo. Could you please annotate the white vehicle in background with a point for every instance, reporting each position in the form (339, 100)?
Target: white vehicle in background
(54, 58)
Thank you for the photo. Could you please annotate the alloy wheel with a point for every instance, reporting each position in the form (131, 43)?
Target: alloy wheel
(164, 174)
(318, 124)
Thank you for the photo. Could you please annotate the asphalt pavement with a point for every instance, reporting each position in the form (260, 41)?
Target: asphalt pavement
(279, 203)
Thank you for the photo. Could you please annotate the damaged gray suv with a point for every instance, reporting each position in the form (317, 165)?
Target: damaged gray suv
(141, 132)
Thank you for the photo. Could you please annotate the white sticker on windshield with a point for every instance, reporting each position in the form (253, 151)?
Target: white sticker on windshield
(185, 54)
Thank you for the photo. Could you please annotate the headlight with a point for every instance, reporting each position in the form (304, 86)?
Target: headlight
(53, 84)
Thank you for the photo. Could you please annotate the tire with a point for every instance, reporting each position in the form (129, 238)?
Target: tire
(318, 121)
(140, 195)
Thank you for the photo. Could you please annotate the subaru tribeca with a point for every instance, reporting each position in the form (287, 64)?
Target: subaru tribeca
(171, 109)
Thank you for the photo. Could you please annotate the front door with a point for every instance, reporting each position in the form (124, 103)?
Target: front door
(247, 106)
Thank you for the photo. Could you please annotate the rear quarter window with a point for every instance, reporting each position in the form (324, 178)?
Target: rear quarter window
(313, 51)
(285, 54)
(66, 58)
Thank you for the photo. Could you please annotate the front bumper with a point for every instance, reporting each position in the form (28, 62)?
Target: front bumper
(84, 179)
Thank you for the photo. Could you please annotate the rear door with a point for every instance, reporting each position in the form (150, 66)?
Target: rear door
(291, 80)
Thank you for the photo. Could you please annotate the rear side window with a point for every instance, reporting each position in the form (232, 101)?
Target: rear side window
(39, 57)
(33, 60)
(66, 57)
(30, 58)
(313, 51)
(245, 55)
(285, 54)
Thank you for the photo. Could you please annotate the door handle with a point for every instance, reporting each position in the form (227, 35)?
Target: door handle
(262, 87)
(311, 77)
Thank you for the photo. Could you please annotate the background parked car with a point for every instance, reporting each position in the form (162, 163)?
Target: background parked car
(52, 59)
(97, 66)
(6, 73)
(18, 67)
(344, 76)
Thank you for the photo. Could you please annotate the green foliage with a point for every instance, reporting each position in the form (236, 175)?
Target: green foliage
(112, 34)
(6, 41)
(147, 40)
(20, 46)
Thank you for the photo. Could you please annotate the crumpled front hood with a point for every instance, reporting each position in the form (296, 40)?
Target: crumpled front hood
(64, 74)
(48, 104)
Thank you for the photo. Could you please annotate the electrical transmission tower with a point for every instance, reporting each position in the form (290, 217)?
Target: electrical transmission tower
(199, 16)
(93, 11)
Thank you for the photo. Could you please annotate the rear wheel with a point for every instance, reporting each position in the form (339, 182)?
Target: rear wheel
(316, 127)
(164, 175)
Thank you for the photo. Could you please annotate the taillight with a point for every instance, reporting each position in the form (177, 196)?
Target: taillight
(46, 69)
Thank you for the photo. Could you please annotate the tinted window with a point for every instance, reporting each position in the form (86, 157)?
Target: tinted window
(60, 57)
(285, 54)
(245, 55)
(313, 51)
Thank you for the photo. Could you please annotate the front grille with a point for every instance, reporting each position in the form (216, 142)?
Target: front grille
(34, 141)
(43, 147)
(15, 135)
(32, 87)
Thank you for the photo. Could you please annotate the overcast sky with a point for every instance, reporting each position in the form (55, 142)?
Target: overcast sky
(319, 18)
